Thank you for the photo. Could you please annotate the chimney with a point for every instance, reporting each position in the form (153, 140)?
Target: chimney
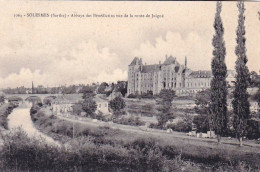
(159, 62)
(166, 57)
(141, 61)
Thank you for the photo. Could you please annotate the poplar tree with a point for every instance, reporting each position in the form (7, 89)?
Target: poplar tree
(218, 93)
(241, 106)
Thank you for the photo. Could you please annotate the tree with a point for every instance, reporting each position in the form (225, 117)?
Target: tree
(202, 101)
(117, 105)
(256, 97)
(121, 86)
(241, 106)
(218, 104)
(102, 87)
(77, 109)
(204, 117)
(89, 106)
(88, 92)
(164, 109)
(254, 79)
(2, 98)
(202, 123)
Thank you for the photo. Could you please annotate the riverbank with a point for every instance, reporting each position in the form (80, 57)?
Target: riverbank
(20, 118)
(206, 154)
(5, 110)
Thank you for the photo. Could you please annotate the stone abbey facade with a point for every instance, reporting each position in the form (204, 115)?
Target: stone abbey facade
(168, 75)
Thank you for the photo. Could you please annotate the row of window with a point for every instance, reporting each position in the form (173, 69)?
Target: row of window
(190, 84)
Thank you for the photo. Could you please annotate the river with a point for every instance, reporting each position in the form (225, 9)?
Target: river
(20, 117)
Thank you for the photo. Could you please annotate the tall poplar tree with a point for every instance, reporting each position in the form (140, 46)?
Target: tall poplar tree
(218, 93)
(240, 102)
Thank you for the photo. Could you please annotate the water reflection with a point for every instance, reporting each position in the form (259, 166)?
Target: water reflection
(20, 117)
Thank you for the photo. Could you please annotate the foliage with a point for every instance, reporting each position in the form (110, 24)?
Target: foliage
(254, 79)
(218, 88)
(117, 105)
(77, 109)
(89, 106)
(104, 147)
(102, 87)
(69, 90)
(184, 125)
(164, 102)
(131, 96)
(148, 95)
(134, 121)
(202, 123)
(155, 125)
(48, 100)
(256, 97)
(180, 126)
(2, 98)
(121, 86)
(88, 92)
(202, 101)
(240, 102)
(253, 129)
(5, 110)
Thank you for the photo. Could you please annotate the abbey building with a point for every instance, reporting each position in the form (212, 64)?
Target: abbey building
(168, 75)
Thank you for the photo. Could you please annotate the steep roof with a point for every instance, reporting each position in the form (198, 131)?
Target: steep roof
(135, 61)
(201, 74)
(170, 60)
(150, 68)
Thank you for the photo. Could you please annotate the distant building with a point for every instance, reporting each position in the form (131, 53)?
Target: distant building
(60, 105)
(102, 105)
(33, 91)
(168, 75)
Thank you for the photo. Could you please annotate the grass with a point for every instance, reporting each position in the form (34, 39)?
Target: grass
(207, 153)
(21, 153)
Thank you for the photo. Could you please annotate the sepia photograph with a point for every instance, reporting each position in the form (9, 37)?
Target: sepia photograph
(129, 86)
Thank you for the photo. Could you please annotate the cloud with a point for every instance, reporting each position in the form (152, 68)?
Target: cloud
(116, 75)
(85, 63)
(193, 45)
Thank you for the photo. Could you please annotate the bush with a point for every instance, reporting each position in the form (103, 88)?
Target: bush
(253, 129)
(180, 126)
(202, 123)
(131, 96)
(134, 121)
(4, 115)
(155, 125)
(117, 105)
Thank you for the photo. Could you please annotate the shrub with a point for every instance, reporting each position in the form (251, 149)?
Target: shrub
(202, 123)
(131, 96)
(180, 126)
(155, 125)
(117, 105)
(4, 114)
(253, 131)
(134, 121)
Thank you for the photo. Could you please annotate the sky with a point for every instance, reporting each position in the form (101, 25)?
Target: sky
(58, 51)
